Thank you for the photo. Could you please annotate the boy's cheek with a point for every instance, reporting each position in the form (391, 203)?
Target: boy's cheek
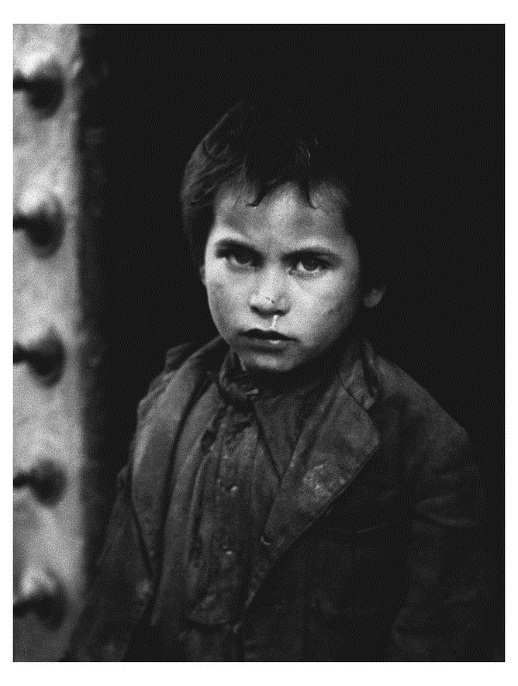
(229, 292)
(332, 321)
(222, 296)
(224, 307)
(336, 309)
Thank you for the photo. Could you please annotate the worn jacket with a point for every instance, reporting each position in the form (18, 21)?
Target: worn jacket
(372, 548)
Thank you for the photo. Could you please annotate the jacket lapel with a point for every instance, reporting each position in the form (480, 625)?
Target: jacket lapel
(332, 449)
(155, 439)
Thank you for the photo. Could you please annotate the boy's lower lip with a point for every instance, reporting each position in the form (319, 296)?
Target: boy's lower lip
(266, 343)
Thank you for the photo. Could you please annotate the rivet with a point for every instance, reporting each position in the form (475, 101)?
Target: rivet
(47, 479)
(42, 218)
(40, 592)
(42, 79)
(45, 356)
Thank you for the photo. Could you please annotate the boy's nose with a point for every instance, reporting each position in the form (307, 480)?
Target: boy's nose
(269, 298)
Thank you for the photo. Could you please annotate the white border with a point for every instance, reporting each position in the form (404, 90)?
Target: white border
(268, 11)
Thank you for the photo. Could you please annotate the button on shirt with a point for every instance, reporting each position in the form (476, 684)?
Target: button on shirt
(228, 464)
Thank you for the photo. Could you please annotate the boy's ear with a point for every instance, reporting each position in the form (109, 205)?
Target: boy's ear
(202, 273)
(374, 296)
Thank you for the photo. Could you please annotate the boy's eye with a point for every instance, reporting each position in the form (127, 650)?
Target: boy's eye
(240, 257)
(309, 264)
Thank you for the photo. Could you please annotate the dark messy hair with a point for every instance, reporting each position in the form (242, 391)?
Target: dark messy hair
(262, 146)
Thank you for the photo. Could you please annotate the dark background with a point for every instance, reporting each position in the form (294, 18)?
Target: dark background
(433, 97)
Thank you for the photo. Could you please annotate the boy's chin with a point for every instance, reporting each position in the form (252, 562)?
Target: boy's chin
(267, 363)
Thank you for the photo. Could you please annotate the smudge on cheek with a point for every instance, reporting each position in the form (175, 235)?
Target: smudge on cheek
(216, 297)
(333, 308)
(344, 306)
(221, 295)
(224, 306)
(216, 288)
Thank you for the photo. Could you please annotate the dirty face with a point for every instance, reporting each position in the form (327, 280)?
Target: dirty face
(282, 278)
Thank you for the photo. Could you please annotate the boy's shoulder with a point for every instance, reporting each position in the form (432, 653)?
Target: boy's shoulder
(196, 360)
(401, 398)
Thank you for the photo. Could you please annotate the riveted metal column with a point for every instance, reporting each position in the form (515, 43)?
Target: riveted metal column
(49, 341)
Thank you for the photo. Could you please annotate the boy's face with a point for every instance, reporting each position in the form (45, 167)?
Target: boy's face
(282, 278)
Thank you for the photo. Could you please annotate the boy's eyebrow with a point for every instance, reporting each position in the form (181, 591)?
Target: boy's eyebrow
(239, 239)
(314, 249)
(311, 248)
(229, 242)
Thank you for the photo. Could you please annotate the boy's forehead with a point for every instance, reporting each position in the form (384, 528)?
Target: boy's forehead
(286, 207)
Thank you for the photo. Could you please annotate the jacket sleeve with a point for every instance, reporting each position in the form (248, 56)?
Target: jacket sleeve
(443, 611)
(120, 589)
(121, 585)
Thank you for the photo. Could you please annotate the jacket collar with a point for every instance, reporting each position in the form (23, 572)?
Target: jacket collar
(330, 452)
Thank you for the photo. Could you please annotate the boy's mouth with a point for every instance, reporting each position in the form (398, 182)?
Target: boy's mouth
(267, 339)
(266, 335)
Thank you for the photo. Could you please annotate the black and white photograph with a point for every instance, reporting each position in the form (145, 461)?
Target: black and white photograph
(258, 343)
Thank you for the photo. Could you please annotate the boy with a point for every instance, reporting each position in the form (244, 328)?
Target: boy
(290, 494)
